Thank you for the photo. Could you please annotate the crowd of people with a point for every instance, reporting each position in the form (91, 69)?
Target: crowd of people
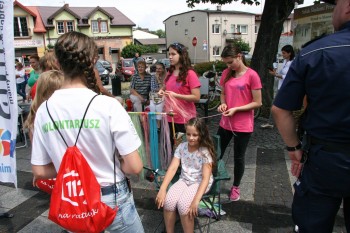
(66, 81)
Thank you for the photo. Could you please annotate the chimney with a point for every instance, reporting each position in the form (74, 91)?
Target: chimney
(66, 5)
(218, 7)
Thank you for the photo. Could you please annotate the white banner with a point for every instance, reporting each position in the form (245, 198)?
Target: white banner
(8, 95)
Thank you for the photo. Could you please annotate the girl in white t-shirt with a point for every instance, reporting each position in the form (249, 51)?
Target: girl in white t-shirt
(108, 139)
(197, 158)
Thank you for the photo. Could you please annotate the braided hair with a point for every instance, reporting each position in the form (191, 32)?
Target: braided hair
(76, 53)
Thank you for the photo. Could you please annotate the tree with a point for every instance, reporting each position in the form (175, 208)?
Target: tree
(130, 50)
(274, 14)
(241, 44)
(159, 33)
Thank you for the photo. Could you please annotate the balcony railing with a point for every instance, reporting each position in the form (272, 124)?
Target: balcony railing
(234, 35)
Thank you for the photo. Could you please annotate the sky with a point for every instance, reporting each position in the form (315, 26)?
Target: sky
(150, 13)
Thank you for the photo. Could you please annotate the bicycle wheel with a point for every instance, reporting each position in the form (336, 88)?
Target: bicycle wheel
(257, 112)
(213, 100)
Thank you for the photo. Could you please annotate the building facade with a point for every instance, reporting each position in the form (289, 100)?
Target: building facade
(213, 29)
(110, 28)
(29, 33)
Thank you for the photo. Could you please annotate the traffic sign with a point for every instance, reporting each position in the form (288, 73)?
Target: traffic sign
(194, 41)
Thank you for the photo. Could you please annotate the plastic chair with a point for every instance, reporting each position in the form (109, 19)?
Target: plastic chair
(213, 197)
(204, 92)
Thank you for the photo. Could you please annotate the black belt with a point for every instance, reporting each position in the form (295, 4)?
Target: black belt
(328, 146)
(117, 187)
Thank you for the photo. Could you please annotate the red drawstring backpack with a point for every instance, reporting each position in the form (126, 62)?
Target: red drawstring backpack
(76, 198)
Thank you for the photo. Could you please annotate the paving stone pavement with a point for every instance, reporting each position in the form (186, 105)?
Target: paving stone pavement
(265, 204)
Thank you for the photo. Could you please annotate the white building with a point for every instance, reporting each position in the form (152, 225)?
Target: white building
(213, 30)
(141, 34)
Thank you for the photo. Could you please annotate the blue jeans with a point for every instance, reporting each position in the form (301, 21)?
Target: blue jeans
(127, 219)
(21, 89)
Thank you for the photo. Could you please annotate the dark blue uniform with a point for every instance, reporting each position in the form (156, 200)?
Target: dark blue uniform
(321, 71)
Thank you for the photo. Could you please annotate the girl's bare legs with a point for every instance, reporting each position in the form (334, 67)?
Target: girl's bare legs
(187, 223)
(169, 220)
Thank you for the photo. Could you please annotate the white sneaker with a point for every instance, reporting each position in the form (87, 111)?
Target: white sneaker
(266, 126)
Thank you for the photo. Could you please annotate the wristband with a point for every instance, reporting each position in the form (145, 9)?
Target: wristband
(294, 148)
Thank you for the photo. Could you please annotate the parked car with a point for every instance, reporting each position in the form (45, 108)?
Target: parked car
(149, 59)
(107, 65)
(247, 56)
(103, 72)
(126, 67)
(166, 63)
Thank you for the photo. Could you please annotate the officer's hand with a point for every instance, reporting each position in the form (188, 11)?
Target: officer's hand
(296, 166)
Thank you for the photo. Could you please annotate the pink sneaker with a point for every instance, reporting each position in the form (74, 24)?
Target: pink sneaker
(234, 194)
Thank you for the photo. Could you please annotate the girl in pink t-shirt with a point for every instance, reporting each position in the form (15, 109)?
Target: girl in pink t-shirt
(181, 86)
(240, 96)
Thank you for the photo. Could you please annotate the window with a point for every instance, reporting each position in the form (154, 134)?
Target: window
(216, 51)
(233, 28)
(70, 26)
(242, 29)
(104, 26)
(64, 26)
(216, 28)
(176, 22)
(94, 26)
(60, 27)
(192, 19)
(186, 31)
(20, 26)
(98, 26)
(256, 29)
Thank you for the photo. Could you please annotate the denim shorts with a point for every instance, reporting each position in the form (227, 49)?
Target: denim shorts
(127, 219)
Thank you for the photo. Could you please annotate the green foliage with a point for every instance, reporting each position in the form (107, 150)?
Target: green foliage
(50, 46)
(200, 68)
(159, 33)
(244, 46)
(191, 3)
(220, 66)
(149, 49)
(130, 50)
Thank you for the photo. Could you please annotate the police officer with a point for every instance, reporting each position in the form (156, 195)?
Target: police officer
(321, 71)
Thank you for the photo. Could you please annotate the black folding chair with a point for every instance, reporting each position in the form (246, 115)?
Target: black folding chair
(212, 199)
